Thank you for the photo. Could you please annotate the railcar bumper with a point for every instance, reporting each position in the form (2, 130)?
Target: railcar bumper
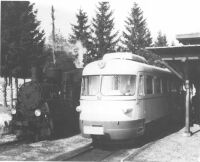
(114, 130)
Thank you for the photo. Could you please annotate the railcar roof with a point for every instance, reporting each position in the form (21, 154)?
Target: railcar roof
(120, 66)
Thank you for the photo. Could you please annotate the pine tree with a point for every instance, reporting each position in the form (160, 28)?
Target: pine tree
(22, 40)
(137, 35)
(81, 32)
(161, 40)
(105, 39)
(59, 43)
(63, 57)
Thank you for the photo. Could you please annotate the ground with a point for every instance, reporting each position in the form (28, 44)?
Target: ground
(174, 148)
(171, 148)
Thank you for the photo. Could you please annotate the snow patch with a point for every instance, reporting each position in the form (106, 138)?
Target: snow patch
(4, 123)
(5, 118)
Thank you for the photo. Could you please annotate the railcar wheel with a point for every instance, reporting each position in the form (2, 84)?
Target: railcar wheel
(97, 141)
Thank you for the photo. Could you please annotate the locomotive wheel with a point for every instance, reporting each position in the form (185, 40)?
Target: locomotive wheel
(95, 142)
(46, 132)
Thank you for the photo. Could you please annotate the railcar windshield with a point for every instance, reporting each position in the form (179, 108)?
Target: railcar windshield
(90, 85)
(118, 85)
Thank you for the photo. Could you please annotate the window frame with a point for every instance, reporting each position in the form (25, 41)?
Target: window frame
(155, 85)
(138, 85)
(146, 76)
(119, 75)
(88, 84)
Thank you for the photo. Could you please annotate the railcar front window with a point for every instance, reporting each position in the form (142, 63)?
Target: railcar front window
(118, 85)
(90, 85)
(141, 85)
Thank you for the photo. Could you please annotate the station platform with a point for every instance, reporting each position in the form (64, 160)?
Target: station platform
(45, 150)
(173, 147)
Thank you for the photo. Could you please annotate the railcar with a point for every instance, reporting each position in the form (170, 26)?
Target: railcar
(121, 94)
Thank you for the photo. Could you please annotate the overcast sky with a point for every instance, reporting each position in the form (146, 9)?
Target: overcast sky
(169, 16)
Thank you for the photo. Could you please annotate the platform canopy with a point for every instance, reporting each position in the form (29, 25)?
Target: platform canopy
(186, 39)
(184, 61)
(181, 58)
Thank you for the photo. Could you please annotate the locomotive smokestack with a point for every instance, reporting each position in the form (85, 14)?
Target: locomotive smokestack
(78, 51)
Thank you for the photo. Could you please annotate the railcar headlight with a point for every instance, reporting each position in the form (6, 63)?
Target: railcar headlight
(78, 108)
(37, 112)
(126, 110)
(13, 111)
(101, 64)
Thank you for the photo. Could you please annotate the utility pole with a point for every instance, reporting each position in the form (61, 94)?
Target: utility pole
(0, 51)
(53, 34)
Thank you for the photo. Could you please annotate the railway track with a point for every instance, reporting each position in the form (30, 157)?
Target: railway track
(109, 153)
(93, 154)
(106, 152)
(119, 152)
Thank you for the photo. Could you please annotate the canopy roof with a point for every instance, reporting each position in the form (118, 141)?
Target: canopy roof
(193, 38)
(185, 60)
(190, 52)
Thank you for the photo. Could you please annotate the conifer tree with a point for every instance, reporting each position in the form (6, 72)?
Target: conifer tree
(22, 40)
(59, 43)
(137, 36)
(81, 32)
(161, 40)
(104, 37)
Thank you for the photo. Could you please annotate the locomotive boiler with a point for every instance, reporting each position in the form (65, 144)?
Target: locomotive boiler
(45, 106)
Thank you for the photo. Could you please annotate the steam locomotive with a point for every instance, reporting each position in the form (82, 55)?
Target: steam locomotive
(45, 106)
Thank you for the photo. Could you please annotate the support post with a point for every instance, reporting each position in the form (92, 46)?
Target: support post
(187, 131)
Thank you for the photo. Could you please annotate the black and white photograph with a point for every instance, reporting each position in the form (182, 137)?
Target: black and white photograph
(100, 80)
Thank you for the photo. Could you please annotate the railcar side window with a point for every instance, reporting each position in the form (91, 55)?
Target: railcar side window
(90, 85)
(168, 86)
(118, 85)
(149, 84)
(174, 86)
(141, 85)
(157, 85)
(164, 85)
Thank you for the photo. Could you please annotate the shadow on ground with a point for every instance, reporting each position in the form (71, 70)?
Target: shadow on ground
(153, 133)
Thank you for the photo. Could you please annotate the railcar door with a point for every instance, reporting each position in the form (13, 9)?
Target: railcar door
(155, 98)
(150, 106)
